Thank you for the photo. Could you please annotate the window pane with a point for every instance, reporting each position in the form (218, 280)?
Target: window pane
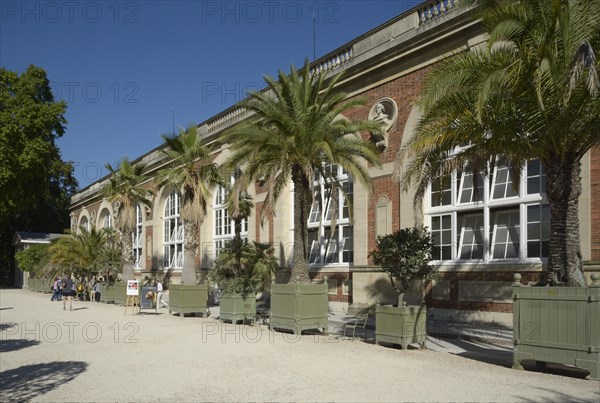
(505, 236)
(538, 230)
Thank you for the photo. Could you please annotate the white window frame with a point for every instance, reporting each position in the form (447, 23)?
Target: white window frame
(463, 228)
(137, 236)
(106, 219)
(223, 225)
(330, 249)
(488, 207)
(173, 237)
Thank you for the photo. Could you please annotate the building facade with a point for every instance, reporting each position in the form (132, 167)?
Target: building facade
(481, 237)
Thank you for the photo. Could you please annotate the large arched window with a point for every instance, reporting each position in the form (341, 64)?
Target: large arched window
(137, 238)
(327, 247)
(85, 223)
(173, 233)
(224, 226)
(106, 219)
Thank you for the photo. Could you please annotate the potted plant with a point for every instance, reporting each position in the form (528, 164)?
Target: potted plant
(295, 133)
(404, 256)
(241, 271)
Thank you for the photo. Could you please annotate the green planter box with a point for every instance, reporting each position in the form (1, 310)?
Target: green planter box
(557, 324)
(108, 294)
(234, 307)
(403, 326)
(188, 299)
(119, 293)
(299, 307)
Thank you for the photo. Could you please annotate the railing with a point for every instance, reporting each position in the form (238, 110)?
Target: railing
(436, 9)
(333, 62)
(221, 120)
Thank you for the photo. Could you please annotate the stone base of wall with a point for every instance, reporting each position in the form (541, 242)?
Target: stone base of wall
(446, 317)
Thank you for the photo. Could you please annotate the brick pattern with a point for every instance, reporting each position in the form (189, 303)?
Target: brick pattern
(340, 277)
(456, 277)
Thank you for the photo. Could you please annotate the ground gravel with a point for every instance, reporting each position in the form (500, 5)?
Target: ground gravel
(96, 353)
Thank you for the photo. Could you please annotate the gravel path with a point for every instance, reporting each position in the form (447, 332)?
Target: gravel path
(96, 353)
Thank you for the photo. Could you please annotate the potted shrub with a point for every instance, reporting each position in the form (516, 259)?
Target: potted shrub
(241, 271)
(404, 256)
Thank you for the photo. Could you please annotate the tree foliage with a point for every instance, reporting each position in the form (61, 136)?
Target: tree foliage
(405, 255)
(35, 184)
(34, 258)
(531, 93)
(298, 128)
(193, 173)
(244, 268)
(87, 252)
(124, 190)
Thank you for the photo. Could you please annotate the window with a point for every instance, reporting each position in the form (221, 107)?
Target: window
(173, 233)
(137, 238)
(467, 192)
(85, 223)
(505, 234)
(327, 247)
(538, 230)
(502, 180)
(224, 225)
(441, 236)
(106, 219)
(536, 177)
(470, 244)
(495, 223)
(441, 191)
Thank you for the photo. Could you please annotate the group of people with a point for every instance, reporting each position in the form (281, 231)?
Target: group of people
(82, 288)
(66, 289)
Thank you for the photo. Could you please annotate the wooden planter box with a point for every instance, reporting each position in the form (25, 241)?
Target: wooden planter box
(119, 293)
(299, 307)
(234, 307)
(557, 324)
(188, 299)
(108, 294)
(403, 326)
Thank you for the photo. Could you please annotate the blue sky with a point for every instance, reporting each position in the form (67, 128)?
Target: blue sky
(124, 66)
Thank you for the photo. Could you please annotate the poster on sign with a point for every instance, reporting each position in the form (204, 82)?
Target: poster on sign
(132, 287)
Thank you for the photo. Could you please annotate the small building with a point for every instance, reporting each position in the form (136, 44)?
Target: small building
(24, 240)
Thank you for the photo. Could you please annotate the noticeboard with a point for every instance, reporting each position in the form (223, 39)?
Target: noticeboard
(148, 300)
(132, 287)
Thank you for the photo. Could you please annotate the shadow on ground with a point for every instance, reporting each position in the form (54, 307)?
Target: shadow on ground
(29, 381)
(6, 326)
(16, 344)
(557, 397)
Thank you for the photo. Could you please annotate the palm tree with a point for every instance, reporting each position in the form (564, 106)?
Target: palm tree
(532, 93)
(193, 172)
(80, 253)
(297, 128)
(125, 192)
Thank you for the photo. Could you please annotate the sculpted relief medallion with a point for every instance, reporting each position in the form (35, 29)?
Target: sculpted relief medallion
(385, 111)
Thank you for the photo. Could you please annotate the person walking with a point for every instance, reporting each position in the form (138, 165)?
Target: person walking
(68, 292)
(56, 290)
(159, 298)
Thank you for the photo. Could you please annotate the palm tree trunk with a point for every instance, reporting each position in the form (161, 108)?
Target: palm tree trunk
(127, 256)
(301, 211)
(190, 242)
(563, 188)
